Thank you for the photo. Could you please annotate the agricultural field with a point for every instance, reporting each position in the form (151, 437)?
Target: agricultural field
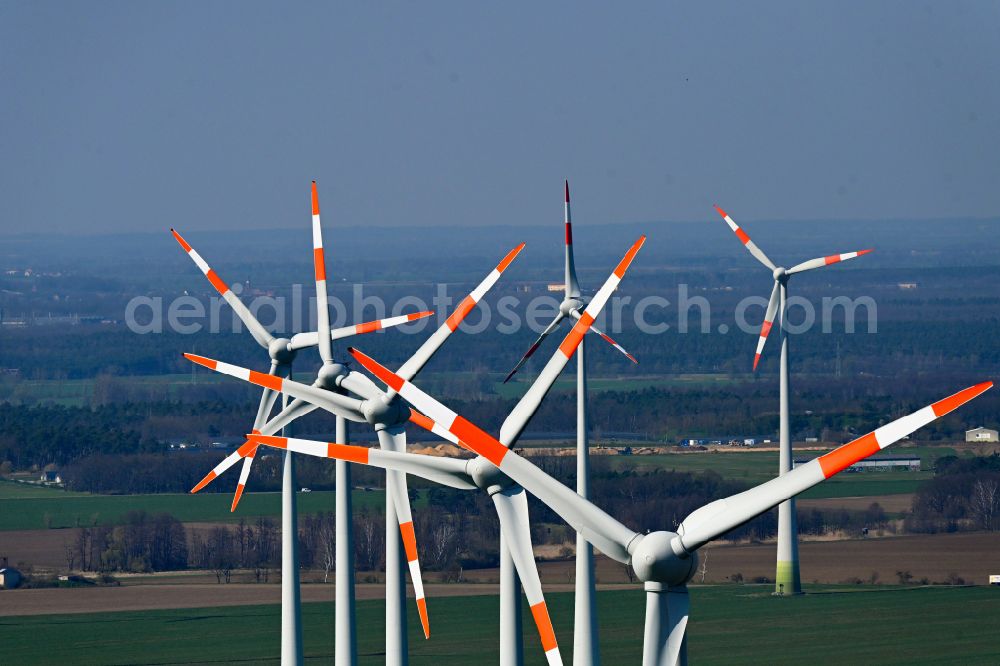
(79, 392)
(759, 466)
(567, 382)
(34, 507)
(730, 624)
(48, 507)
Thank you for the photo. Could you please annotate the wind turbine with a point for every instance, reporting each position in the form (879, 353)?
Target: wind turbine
(585, 647)
(283, 352)
(508, 497)
(664, 560)
(388, 414)
(786, 577)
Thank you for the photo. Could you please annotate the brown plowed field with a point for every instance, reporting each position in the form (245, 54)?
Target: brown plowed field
(973, 556)
(889, 503)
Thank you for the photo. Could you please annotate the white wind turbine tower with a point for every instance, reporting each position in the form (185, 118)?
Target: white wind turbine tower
(786, 577)
(664, 560)
(283, 352)
(508, 497)
(388, 414)
(585, 645)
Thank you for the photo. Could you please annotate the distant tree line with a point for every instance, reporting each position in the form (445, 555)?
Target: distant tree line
(143, 542)
(963, 495)
(38, 435)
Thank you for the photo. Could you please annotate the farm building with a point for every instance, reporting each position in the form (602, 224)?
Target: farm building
(981, 435)
(50, 476)
(879, 464)
(727, 440)
(9, 578)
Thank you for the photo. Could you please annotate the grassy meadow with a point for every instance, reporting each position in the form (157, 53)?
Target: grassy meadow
(730, 624)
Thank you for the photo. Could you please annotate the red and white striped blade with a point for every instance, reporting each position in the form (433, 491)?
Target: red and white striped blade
(226, 463)
(722, 515)
(607, 338)
(571, 285)
(603, 531)
(244, 475)
(535, 345)
(416, 362)
(446, 471)
(749, 244)
(257, 330)
(512, 510)
(826, 261)
(532, 399)
(311, 338)
(319, 268)
(394, 440)
(267, 400)
(341, 405)
(765, 328)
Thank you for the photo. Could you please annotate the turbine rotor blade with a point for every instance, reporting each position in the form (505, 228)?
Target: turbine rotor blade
(257, 330)
(512, 509)
(534, 346)
(604, 532)
(267, 400)
(360, 384)
(572, 287)
(349, 408)
(718, 517)
(226, 463)
(607, 338)
(296, 408)
(518, 418)
(311, 338)
(678, 609)
(322, 298)
(825, 261)
(749, 244)
(394, 439)
(765, 328)
(446, 471)
(415, 363)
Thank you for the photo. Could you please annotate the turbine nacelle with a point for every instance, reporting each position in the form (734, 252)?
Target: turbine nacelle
(280, 350)
(385, 413)
(659, 557)
(488, 476)
(329, 375)
(571, 305)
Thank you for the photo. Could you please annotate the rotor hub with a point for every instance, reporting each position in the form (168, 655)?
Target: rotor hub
(780, 274)
(329, 373)
(385, 413)
(281, 351)
(570, 304)
(488, 476)
(655, 561)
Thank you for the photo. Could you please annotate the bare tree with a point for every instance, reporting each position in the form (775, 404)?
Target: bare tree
(444, 544)
(369, 540)
(69, 552)
(704, 564)
(327, 544)
(984, 502)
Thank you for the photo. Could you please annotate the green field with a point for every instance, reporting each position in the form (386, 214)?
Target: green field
(759, 466)
(78, 392)
(32, 507)
(567, 382)
(730, 624)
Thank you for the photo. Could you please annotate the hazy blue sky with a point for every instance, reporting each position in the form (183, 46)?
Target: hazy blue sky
(215, 115)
